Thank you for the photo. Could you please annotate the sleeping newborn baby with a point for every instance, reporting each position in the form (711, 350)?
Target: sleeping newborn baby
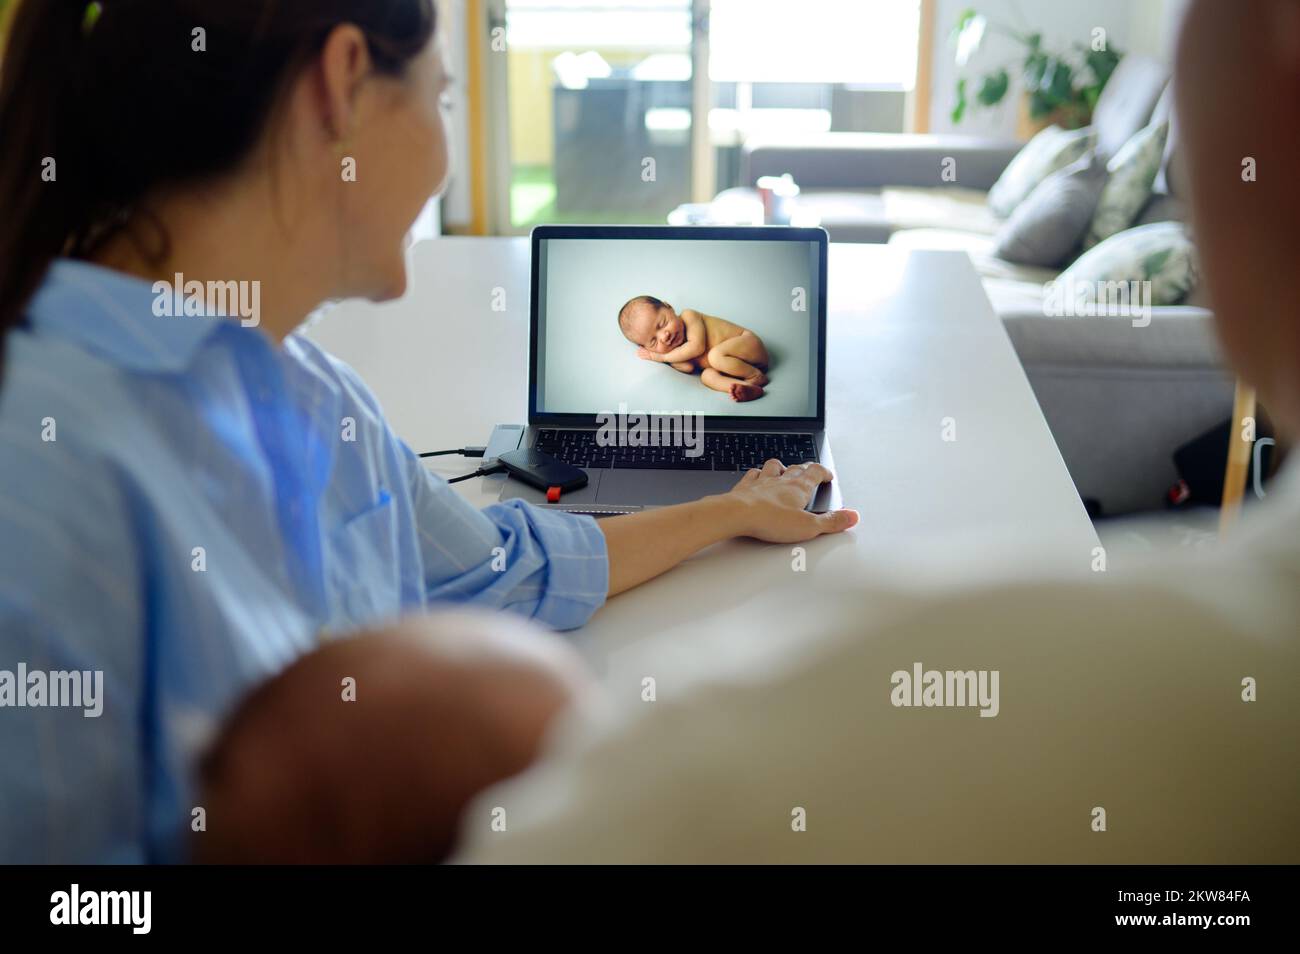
(730, 359)
(444, 707)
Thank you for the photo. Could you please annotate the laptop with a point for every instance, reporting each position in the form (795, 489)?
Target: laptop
(652, 433)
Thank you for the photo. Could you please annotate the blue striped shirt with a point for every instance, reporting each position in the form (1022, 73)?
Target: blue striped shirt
(187, 507)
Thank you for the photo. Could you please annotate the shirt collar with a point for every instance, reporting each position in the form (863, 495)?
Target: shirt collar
(112, 314)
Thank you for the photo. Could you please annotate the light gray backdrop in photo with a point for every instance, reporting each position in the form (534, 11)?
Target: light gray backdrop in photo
(587, 366)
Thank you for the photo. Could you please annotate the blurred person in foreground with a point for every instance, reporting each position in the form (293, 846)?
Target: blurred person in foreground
(1124, 732)
(1143, 716)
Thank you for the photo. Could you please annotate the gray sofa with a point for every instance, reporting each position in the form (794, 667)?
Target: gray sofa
(1119, 399)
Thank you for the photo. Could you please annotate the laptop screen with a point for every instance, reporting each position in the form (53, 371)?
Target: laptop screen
(717, 325)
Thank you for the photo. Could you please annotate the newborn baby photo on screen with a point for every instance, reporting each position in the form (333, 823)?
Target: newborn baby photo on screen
(729, 358)
(678, 326)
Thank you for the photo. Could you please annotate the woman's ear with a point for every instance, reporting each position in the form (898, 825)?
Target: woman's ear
(344, 65)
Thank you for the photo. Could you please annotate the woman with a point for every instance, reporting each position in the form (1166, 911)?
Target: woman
(190, 501)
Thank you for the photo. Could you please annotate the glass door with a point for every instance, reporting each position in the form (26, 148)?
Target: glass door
(594, 104)
(597, 111)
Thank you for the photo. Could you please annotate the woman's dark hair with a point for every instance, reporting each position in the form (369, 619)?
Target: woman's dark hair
(102, 103)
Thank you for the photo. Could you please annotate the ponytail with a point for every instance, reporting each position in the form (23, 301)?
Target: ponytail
(40, 199)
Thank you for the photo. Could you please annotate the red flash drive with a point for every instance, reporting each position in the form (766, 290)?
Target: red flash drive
(553, 495)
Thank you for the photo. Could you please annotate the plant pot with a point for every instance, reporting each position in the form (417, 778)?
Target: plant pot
(1026, 126)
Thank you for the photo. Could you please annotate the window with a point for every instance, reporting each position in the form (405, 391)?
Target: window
(595, 89)
(600, 96)
(850, 42)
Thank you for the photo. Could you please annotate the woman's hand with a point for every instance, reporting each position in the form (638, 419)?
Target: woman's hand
(767, 504)
(770, 504)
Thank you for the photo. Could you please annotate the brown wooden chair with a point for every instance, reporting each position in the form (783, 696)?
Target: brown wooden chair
(1239, 453)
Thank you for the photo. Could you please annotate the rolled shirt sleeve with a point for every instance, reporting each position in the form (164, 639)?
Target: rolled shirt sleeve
(547, 565)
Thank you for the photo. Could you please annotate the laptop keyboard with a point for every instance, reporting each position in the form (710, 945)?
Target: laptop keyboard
(728, 452)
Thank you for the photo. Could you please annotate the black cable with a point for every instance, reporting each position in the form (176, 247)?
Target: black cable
(481, 472)
(462, 451)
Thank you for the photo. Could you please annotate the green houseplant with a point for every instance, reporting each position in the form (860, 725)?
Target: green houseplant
(1060, 87)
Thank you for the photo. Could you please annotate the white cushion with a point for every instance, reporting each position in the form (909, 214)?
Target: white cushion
(1051, 149)
(1161, 253)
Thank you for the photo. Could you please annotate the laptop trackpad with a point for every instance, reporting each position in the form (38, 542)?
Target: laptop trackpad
(661, 488)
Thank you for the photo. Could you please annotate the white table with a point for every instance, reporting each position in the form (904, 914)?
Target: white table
(916, 354)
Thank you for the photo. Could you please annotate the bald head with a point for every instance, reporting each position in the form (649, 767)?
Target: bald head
(634, 307)
(1238, 89)
(444, 707)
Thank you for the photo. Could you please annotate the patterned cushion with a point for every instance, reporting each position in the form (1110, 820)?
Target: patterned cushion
(1053, 148)
(1132, 173)
(1161, 253)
